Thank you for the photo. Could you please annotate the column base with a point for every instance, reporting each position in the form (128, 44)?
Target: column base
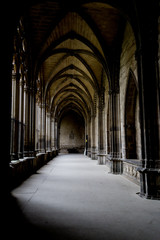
(116, 166)
(13, 156)
(89, 153)
(149, 183)
(94, 155)
(101, 159)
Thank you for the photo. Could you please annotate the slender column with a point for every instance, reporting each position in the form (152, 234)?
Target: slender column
(93, 146)
(42, 129)
(20, 122)
(108, 128)
(13, 110)
(29, 121)
(26, 120)
(56, 135)
(52, 133)
(115, 154)
(32, 122)
(86, 139)
(101, 132)
(37, 127)
(89, 137)
(33, 131)
(13, 119)
(48, 131)
(94, 127)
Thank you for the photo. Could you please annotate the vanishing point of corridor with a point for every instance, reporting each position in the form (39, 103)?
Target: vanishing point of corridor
(72, 197)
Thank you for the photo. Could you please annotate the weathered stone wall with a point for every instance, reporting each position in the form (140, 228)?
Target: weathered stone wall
(72, 133)
(127, 63)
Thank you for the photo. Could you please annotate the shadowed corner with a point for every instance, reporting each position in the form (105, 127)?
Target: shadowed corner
(17, 226)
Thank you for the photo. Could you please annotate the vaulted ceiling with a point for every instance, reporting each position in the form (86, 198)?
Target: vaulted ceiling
(72, 46)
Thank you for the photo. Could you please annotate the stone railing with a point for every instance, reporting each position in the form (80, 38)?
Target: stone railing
(127, 167)
(130, 170)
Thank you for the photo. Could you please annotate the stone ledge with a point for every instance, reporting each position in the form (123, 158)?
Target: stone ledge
(149, 170)
(133, 161)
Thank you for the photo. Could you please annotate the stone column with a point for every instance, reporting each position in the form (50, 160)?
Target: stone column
(52, 133)
(33, 121)
(93, 146)
(15, 119)
(115, 154)
(42, 128)
(148, 97)
(108, 150)
(30, 115)
(26, 120)
(13, 107)
(94, 127)
(13, 146)
(56, 134)
(101, 131)
(48, 131)
(37, 127)
(20, 122)
(89, 137)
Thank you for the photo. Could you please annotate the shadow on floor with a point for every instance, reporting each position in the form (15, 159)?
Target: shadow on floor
(18, 227)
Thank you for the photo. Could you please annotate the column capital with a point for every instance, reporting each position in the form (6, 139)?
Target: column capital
(14, 76)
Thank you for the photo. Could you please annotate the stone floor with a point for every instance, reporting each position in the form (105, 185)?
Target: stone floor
(73, 198)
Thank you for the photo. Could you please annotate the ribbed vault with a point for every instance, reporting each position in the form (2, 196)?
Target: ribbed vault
(70, 61)
(73, 47)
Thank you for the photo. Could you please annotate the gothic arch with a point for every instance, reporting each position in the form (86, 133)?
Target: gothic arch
(130, 115)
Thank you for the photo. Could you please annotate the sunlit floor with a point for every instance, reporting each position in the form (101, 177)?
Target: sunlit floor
(72, 197)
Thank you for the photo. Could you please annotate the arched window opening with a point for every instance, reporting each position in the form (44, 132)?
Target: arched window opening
(130, 118)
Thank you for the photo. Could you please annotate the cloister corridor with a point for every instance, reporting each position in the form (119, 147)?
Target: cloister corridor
(72, 197)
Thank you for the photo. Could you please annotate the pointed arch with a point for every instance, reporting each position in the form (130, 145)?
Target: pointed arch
(130, 115)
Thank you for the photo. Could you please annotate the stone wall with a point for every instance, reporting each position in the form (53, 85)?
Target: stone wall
(72, 133)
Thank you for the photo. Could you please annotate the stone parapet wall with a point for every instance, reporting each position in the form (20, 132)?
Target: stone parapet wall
(22, 168)
(130, 171)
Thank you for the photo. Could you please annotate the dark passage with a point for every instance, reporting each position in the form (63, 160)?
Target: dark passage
(71, 133)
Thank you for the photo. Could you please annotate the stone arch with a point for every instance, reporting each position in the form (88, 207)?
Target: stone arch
(130, 115)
